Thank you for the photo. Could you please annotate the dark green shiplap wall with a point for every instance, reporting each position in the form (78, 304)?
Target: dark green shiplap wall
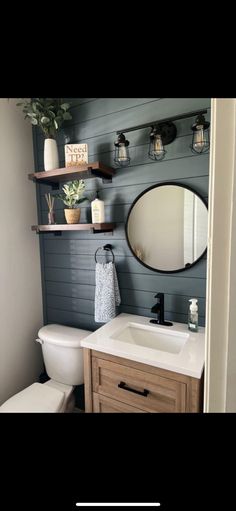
(68, 266)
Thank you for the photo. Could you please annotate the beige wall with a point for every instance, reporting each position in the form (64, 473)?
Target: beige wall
(20, 279)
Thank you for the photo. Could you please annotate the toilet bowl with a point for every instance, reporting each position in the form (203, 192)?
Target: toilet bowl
(63, 359)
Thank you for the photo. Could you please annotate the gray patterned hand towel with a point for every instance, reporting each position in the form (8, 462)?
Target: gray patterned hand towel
(107, 294)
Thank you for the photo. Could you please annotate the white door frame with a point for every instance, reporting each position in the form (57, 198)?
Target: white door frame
(220, 366)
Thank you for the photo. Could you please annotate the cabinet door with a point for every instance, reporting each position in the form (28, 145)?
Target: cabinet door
(103, 404)
(146, 391)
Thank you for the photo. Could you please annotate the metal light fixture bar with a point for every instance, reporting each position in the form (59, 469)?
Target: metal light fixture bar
(168, 119)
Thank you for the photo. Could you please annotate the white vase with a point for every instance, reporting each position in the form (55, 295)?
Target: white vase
(51, 158)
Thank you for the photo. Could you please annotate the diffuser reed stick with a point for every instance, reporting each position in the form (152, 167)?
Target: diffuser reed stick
(50, 203)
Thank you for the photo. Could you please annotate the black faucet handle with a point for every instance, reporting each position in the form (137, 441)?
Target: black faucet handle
(156, 308)
(159, 308)
(159, 295)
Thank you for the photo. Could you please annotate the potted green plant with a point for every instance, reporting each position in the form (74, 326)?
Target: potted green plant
(72, 196)
(49, 115)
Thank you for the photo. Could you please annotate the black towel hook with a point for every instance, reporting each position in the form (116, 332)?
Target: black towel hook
(107, 248)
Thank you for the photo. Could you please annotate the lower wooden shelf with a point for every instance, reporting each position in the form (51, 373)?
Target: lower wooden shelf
(106, 227)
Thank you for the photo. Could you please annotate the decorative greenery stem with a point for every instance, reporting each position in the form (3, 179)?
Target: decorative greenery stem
(47, 113)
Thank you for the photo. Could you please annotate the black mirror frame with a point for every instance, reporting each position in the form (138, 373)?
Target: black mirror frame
(173, 183)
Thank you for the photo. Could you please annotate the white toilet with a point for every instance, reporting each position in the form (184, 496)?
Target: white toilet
(63, 358)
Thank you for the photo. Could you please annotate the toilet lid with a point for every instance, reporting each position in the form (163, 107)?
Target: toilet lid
(36, 398)
(63, 335)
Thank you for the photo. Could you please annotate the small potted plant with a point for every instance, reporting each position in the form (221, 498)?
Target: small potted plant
(48, 114)
(72, 196)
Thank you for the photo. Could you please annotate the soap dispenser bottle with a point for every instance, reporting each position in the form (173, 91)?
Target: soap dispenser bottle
(193, 315)
(97, 209)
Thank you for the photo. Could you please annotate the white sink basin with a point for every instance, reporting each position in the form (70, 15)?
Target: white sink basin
(133, 337)
(154, 337)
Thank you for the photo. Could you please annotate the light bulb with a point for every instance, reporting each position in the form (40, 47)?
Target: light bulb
(158, 148)
(199, 140)
(122, 153)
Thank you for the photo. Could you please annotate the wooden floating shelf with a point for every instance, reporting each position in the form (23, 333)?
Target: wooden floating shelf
(95, 169)
(96, 228)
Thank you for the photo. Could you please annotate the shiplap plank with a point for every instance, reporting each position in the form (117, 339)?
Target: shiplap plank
(70, 276)
(159, 283)
(135, 298)
(123, 264)
(88, 247)
(66, 303)
(74, 291)
(82, 306)
(107, 106)
(173, 303)
(86, 321)
(154, 283)
(127, 193)
(68, 318)
(166, 170)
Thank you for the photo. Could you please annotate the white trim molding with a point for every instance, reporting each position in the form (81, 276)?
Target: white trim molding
(221, 297)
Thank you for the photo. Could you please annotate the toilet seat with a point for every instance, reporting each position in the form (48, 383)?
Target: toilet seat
(37, 397)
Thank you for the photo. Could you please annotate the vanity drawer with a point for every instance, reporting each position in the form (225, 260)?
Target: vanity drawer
(104, 404)
(143, 390)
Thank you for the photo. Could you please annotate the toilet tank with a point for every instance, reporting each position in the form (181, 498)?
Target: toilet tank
(62, 353)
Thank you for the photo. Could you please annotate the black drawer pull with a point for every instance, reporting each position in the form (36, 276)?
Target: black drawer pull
(122, 385)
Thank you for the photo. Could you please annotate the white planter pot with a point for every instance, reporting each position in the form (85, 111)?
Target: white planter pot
(51, 158)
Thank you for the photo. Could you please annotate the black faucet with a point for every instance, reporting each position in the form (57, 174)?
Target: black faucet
(159, 308)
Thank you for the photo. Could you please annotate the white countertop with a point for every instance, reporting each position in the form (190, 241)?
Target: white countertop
(189, 361)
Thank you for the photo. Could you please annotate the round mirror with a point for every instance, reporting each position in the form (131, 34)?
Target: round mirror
(166, 228)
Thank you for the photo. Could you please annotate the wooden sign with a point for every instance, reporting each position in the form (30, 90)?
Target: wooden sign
(76, 154)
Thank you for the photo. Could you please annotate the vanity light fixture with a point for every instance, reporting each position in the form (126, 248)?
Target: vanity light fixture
(121, 151)
(162, 133)
(200, 141)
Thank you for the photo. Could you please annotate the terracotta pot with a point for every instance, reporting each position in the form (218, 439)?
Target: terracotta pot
(72, 215)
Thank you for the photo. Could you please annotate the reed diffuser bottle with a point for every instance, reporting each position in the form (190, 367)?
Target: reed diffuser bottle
(51, 212)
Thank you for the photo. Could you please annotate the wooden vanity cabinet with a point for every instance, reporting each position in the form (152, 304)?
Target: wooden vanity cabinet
(118, 385)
